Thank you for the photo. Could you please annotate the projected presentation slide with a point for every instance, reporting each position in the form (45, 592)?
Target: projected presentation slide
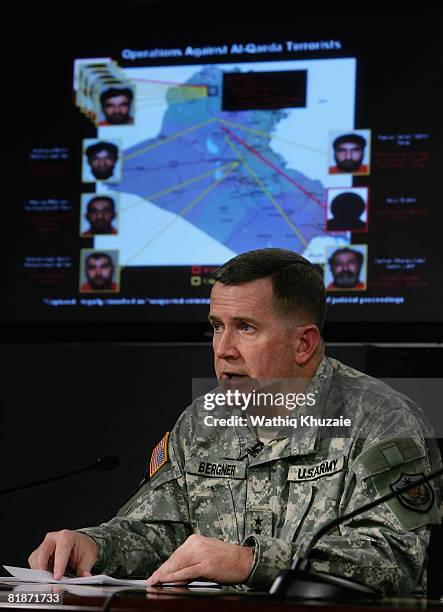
(188, 156)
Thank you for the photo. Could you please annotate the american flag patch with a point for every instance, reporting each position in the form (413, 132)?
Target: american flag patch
(159, 455)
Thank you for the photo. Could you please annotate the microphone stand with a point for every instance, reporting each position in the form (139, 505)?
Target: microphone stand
(102, 464)
(299, 582)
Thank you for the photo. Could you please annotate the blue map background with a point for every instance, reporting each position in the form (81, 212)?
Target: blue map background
(218, 173)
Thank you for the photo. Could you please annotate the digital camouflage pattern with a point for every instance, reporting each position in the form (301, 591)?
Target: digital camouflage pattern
(299, 481)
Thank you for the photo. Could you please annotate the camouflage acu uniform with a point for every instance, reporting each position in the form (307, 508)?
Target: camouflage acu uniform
(278, 499)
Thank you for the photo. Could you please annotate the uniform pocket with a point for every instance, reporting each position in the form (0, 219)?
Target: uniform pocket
(300, 499)
(211, 497)
(314, 493)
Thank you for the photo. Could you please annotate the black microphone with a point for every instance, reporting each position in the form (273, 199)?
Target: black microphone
(102, 463)
(300, 583)
(253, 451)
(105, 464)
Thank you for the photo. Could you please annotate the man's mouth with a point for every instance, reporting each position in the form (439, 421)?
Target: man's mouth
(346, 279)
(231, 375)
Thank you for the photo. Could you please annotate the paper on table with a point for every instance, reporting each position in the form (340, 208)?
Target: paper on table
(87, 590)
(28, 575)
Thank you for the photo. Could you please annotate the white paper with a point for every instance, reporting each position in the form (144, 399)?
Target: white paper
(29, 575)
(23, 574)
(88, 590)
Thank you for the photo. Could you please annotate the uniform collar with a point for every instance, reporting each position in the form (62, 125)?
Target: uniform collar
(301, 441)
(233, 442)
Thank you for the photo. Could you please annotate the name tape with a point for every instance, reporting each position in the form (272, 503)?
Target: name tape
(300, 473)
(216, 468)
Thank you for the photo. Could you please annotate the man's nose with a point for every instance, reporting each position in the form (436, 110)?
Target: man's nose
(343, 267)
(225, 346)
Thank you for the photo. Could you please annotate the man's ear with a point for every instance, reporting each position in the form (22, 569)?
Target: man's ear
(308, 338)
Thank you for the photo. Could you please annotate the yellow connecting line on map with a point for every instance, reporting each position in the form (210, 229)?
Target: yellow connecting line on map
(170, 138)
(177, 98)
(181, 214)
(194, 179)
(239, 126)
(175, 93)
(229, 168)
(159, 103)
(266, 191)
(221, 121)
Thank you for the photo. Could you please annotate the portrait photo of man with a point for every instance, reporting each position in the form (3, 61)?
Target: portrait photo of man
(346, 268)
(101, 161)
(116, 106)
(98, 271)
(347, 210)
(99, 214)
(349, 153)
(82, 67)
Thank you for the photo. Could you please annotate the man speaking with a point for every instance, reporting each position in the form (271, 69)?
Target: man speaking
(234, 504)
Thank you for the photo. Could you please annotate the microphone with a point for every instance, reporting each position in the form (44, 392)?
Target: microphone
(103, 464)
(300, 583)
(253, 451)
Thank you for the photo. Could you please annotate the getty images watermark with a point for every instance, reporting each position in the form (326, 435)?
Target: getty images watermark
(253, 400)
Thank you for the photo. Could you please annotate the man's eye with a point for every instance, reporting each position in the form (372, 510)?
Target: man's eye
(216, 326)
(246, 327)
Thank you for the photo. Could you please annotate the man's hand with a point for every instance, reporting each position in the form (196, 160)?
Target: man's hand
(60, 548)
(202, 557)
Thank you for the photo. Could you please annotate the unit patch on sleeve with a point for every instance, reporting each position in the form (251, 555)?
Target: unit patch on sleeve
(419, 498)
(159, 455)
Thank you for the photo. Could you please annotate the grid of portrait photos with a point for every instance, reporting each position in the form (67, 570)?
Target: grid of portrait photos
(106, 97)
(347, 210)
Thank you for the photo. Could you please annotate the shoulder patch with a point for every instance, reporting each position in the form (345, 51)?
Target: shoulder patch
(419, 498)
(159, 455)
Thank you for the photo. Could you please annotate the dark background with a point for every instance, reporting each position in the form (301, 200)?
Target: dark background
(67, 403)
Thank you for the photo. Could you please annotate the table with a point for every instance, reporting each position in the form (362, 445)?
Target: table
(180, 599)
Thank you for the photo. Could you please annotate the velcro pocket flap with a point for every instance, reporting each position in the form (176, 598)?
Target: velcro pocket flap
(391, 465)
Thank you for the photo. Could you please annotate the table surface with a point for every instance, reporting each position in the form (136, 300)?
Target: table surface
(94, 598)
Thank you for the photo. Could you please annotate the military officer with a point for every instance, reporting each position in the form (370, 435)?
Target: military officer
(235, 503)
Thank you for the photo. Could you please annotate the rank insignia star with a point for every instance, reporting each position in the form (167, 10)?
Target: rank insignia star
(258, 521)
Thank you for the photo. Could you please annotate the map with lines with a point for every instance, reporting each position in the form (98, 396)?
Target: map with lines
(200, 184)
